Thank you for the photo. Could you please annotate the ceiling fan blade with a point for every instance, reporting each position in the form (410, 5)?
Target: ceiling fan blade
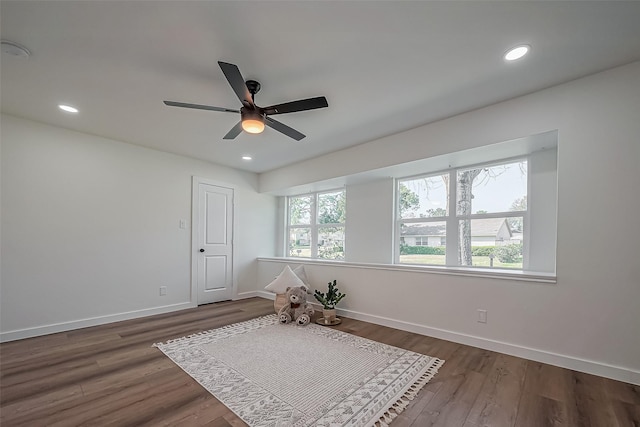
(301, 105)
(199, 107)
(235, 79)
(281, 127)
(235, 131)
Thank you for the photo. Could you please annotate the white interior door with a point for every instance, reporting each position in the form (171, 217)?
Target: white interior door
(213, 245)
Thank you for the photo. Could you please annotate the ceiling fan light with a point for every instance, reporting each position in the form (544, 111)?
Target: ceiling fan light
(252, 121)
(253, 125)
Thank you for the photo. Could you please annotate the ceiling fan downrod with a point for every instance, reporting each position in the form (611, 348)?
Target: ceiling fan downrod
(254, 87)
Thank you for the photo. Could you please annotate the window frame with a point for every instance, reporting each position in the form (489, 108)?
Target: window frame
(399, 221)
(314, 226)
(452, 219)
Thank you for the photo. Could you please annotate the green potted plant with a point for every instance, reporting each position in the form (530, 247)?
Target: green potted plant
(329, 301)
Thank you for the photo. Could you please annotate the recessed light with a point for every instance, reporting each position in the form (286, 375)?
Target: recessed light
(246, 157)
(517, 52)
(68, 108)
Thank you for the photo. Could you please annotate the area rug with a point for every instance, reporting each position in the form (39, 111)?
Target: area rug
(277, 375)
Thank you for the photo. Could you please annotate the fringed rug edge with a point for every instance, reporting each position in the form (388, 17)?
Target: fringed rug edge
(403, 400)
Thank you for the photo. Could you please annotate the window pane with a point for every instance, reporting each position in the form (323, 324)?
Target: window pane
(424, 197)
(492, 189)
(300, 210)
(491, 242)
(300, 242)
(331, 208)
(423, 243)
(331, 243)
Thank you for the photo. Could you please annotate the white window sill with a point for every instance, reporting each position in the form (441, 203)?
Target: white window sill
(525, 276)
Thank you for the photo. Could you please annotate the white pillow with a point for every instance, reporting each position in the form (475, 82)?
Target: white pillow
(299, 270)
(284, 280)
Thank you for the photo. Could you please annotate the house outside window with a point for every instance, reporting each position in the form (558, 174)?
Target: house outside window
(466, 217)
(316, 225)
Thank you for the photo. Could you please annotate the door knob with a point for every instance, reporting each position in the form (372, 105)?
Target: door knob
(201, 250)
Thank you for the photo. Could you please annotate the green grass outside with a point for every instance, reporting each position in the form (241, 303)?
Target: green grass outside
(305, 252)
(478, 261)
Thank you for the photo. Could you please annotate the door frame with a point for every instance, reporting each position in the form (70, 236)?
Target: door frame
(195, 223)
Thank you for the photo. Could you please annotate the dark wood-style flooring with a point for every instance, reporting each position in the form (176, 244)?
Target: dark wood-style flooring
(111, 375)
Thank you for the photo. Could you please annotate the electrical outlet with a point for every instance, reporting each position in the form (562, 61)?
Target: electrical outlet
(183, 224)
(482, 316)
(163, 291)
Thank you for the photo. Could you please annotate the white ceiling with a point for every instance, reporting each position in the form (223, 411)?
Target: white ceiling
(383, 66)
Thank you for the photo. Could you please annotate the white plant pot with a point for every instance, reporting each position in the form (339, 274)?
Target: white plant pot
(329, 315)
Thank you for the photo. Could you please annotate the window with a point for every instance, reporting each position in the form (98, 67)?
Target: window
(423, 203)
(469, 217)
(315, 225)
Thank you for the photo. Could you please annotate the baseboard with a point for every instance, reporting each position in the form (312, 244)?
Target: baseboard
(93, 321)
(253, 294)
(588, 366)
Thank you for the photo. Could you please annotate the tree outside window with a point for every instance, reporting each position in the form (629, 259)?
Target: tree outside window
(489, 218)
(316, 225)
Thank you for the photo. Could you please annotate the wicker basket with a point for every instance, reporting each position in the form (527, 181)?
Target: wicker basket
(279, 302)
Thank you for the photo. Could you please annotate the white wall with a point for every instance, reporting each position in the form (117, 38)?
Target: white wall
(589, 320)
(368, 236)
(543, 211)
(90, 228)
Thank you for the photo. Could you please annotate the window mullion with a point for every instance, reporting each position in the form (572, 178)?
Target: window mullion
(526, 230)
(452, 236)
(314, 226)
(396, 225)
(287, 238)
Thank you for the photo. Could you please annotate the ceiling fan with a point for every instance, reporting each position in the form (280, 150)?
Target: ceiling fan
(254, 118)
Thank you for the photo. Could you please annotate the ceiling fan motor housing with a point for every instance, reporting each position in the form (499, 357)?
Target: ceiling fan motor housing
(251, 114)
(253, 86)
